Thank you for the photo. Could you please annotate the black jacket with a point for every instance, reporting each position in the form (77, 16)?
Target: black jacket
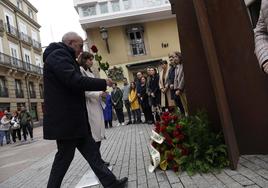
(65, 114)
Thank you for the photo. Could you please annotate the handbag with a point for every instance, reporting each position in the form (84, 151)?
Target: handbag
(15, 126)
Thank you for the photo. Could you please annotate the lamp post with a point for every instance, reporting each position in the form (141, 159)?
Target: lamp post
(104, 36)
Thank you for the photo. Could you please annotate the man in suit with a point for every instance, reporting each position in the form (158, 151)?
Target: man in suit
(261, 37)
(65, 114)
(117, 100)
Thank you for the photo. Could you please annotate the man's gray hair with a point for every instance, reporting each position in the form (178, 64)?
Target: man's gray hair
(69, 36)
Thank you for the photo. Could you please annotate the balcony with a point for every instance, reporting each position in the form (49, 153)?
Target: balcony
(19, 64)
(19, 93)
(11, 30)
(36, 44)
(25, 38)
(3, 92)
(123, 13)
(32, 94)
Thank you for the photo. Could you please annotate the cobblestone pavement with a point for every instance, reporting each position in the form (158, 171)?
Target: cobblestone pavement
(126, 148)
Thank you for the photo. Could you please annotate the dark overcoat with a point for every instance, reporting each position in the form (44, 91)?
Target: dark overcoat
(65, 114)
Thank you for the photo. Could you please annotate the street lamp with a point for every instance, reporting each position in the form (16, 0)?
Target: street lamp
(104, 36)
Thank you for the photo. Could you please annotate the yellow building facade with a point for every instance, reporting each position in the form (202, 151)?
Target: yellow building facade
(21, 80)
(138, 33)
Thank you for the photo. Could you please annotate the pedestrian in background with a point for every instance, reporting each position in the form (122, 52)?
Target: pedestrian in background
(166, 101)
(146, 108)
(125, 91)
(15, 127)
(134, 103)
(155, 93)
(117, 100)
(25, 120)
(5, 126)
(108, 111)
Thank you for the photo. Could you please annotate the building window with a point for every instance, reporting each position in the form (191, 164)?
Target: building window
(41, 89)
(135, 35)
(27, 59)
(3, 88)
(88, 10)
(30, 13)
(104, 8)
(18, 89)
(115, 6)
(3, 107)
(32, 90)
(126, 4)
(19, 4)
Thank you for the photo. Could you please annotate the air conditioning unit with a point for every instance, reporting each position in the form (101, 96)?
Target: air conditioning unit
(2, 28)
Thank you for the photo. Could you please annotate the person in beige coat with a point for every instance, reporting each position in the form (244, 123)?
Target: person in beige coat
(179, 83)
(261, 37)
(94, 102)
(166, 100)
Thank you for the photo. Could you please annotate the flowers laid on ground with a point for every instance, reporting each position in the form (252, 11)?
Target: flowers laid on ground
(189, 144)
(102, 66)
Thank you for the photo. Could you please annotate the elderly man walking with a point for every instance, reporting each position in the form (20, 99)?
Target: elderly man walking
(65, 113)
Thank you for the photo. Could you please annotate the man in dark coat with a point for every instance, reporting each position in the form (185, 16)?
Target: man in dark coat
(117, 100)
(65, 114)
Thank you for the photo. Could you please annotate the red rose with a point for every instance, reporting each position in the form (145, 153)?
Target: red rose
(181, 137)
(178, 127)
(163, 128)
(175, 118)
(176, 134)
(184, 151)
(166, 114)
(94, 49)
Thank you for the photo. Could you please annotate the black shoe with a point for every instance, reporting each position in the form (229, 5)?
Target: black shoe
(130, 122)
(121, 183)
(106, 163)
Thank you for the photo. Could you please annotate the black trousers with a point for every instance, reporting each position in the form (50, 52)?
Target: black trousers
(120, 115)
(108, 122)
(16, 133)
(127, 105)
(63, 158)
(179, 103)
(25, 128)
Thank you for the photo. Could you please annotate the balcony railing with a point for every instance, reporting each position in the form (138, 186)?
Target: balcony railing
(11, 30)
(25, 38)
(36, 44)
(19, 93)
(3, 92)
(21, 65)
(32, 94)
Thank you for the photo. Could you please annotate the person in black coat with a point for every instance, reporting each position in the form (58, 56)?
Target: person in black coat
(65, 114)
(155, 93)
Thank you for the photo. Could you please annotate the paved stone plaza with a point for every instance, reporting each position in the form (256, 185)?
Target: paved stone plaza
(126, 148)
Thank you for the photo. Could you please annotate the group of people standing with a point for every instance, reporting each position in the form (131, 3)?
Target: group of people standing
(13, 124)
(153, 93)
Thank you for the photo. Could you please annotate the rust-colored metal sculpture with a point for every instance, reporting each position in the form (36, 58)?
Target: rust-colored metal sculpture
(222, 73)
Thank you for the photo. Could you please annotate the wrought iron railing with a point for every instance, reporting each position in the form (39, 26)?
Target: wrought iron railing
(36, 44)
(11, 30)
(25, 38)
(19, 64)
